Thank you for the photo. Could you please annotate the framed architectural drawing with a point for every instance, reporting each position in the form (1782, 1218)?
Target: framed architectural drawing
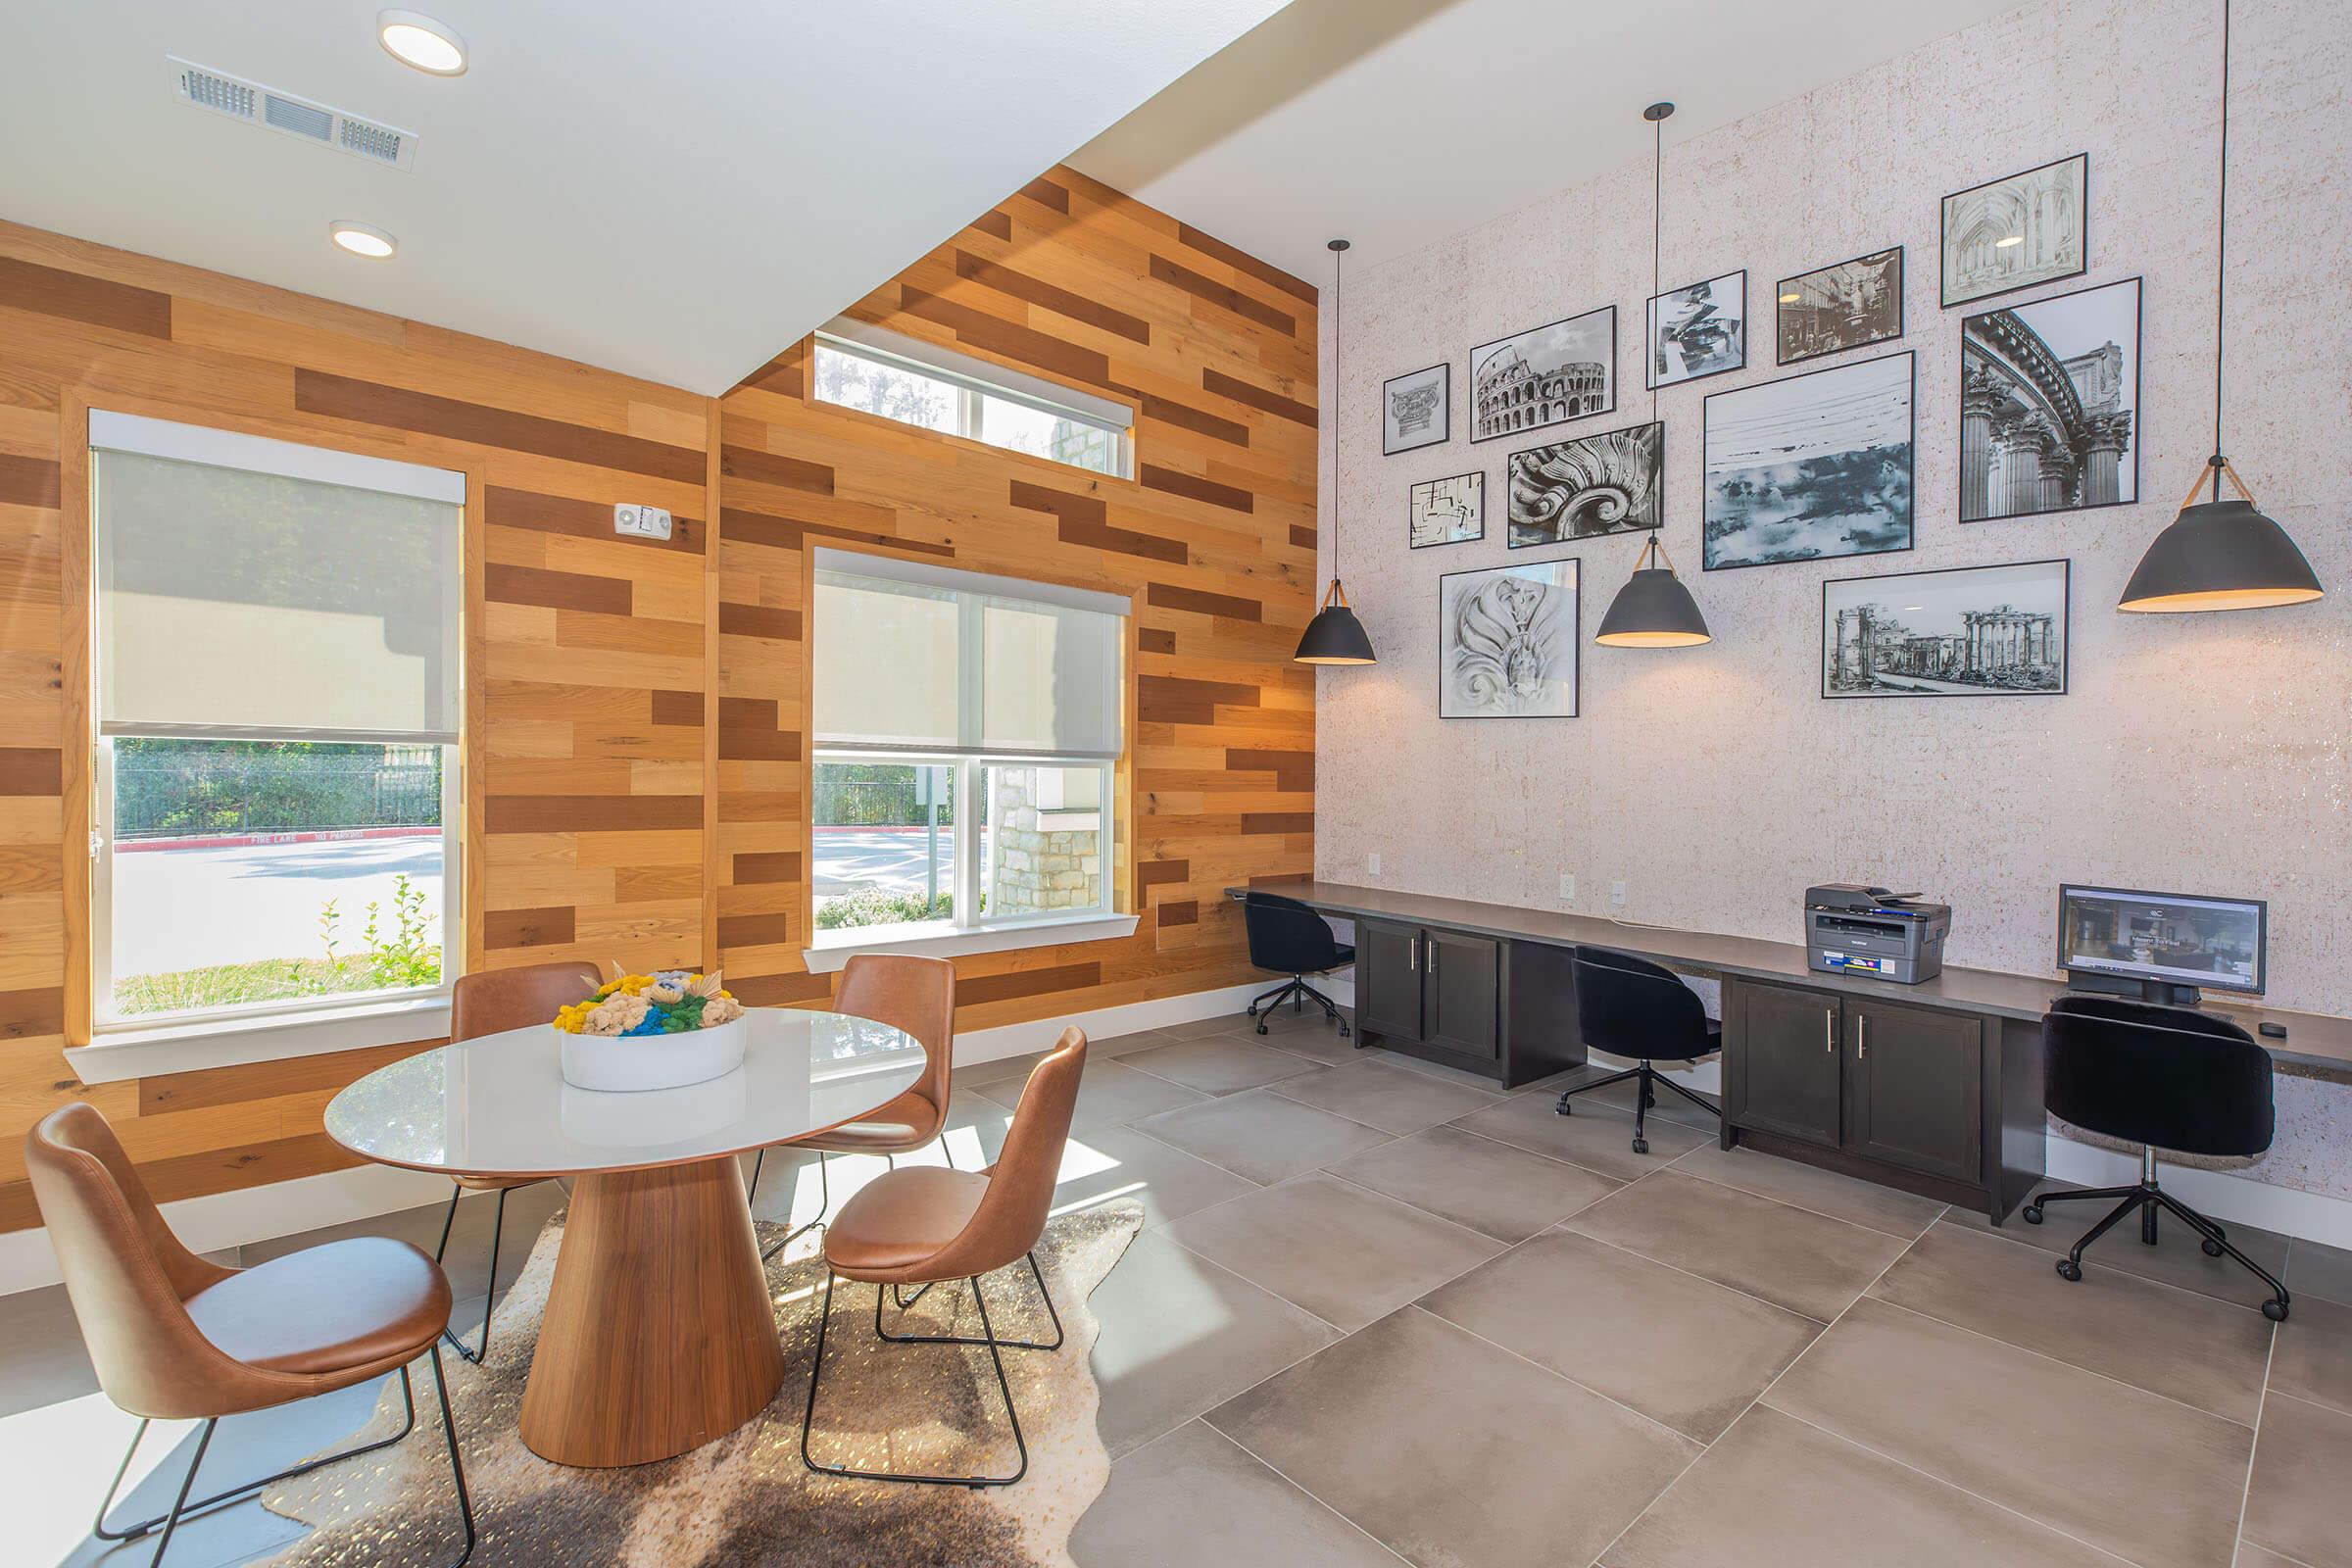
(1697, 331)
(1846, 305)
(2049, 405)
(1810, 466)
(1509, 641)
(1446, 512)
(2017, 231)
(1545, 376)
(1416, 410)
(1587, 486)
(1966, 631)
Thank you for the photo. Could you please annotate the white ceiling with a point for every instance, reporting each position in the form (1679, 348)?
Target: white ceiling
(673, 190)
(1398, 123)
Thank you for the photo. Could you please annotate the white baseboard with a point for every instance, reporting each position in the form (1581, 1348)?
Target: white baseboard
(225, 1220)
(2289, 1210)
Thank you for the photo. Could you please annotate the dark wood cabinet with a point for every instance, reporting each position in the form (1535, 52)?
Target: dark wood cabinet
(1387, 979)
(1467, 1000)
(1914, 1088)
(1780, 1061)
(1461, 993)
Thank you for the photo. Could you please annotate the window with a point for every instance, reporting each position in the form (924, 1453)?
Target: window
(967, 728)
(860, 366)
(277, 682)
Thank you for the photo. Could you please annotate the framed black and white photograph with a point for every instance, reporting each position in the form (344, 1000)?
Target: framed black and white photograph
(2017, 231)
(1811, 467)
(1966, 631)
(1446, 512)
(1416, 410)
(1846, 305)
(1587, 486)
(1509, 641)
(2049, 405)
(1699, 330)
(1547, 376)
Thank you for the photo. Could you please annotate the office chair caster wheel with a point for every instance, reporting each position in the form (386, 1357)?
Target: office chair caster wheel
(1640, 1145)
(2274, 1310)
(1347, 1033)
(1261, 1028)
(2032, 1214)
(2069, 1269)
(2212, 1248)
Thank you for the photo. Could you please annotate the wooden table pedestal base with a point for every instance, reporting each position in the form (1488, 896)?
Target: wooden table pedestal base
(658, 1336)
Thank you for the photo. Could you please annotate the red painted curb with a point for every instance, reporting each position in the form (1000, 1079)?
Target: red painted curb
(233, 841)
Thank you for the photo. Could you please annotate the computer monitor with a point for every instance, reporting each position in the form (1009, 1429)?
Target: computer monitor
(2161, 945)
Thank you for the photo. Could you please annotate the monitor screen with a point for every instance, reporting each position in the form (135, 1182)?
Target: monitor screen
(2214, 943)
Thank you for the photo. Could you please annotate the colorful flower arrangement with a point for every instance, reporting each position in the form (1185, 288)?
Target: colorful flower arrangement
(673, 1002)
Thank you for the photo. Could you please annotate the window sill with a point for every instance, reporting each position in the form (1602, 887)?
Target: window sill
(190, 1047)
(834, 949)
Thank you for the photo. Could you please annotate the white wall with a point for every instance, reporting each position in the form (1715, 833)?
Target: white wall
(2203, 752)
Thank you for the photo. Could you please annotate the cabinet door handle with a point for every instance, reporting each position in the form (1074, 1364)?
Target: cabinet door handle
(1412, 953)
(1433, 958)
(1829, 1031)
(1861, 1037)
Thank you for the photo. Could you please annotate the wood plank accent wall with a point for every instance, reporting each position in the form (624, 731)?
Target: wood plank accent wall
(611, 683)
(1214, 539)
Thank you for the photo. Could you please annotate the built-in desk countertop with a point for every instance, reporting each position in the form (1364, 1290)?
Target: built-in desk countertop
(2313, 1038)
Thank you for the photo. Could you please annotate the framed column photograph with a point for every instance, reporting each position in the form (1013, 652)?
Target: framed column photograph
(2049, 405)
(1416, 410)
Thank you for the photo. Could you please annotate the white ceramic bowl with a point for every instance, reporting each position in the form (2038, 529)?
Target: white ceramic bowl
(622, 1062)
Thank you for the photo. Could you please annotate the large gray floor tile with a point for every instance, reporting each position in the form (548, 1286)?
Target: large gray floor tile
(1802, 1186)
(2315, 1268)
(1445, 1072)
(1388, 1097)
(1199, 1487)
(1325, 1045)
(1427, 1437)
(1220, 1064)
(2190, 1348)
(2176, 1258)
(1102, 1164)
(1111, 1093)
(1346, 1255)
(1778, 1493)
(1491, 1187)
(2136, 1474)
(2298, 1503)
(1262, 1135)
(2249, 1555)
(2312, 1359)
(1594, 1137)
(1674, 1348)
(1791, 1257)
(1181, 1334)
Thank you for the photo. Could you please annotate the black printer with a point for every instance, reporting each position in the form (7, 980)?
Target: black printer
(1852, 929)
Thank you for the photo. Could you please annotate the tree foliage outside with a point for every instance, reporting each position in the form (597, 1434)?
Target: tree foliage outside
(168, 788)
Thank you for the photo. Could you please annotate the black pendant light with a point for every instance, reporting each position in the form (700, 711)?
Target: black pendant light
(1653, 610)
(1335, 636)
(2220, 555)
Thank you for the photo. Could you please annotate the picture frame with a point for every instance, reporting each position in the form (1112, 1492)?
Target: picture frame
(1956, 631)
(1416, 410)
(1452, 511)
(1586, 487)
(1818, 465)
(1510, 640)
(1846, 305)
(1545, 376)
(1695, 331)
(2016, 232)
(2032, 450)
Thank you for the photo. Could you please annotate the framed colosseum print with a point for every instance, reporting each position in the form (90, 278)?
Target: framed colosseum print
(2050, 400)
(2017, 231)
(1544, 375)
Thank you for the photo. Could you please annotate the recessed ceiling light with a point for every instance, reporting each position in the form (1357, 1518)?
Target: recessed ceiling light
(361, 239)
(418, 41)
(2007, 240)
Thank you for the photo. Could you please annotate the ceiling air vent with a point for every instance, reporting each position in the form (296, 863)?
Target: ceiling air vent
(267, 107)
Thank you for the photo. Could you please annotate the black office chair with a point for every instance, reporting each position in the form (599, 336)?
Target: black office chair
(2156, 1076)
(1629, 1006)
(1287, 936)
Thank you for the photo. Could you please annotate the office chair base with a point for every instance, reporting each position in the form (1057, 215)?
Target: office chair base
(2145, 1199)
(1297, 991)
(1649, 1078)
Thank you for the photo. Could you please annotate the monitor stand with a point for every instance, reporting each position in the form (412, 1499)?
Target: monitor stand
(2164, 993)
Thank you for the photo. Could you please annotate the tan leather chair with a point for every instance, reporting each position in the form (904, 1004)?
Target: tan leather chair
(917, 996)
(925, 1225)
(488, 1004)
(175, 1338)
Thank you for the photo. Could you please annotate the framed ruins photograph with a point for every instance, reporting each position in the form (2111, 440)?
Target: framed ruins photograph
(2017, 231)
(1416, 410)
(2049, 405)
(1544, 375)
(1446, 512)
(1509, 642)
(1586, 486)
(1965, 631)
(1699, 331)
(1846, 305)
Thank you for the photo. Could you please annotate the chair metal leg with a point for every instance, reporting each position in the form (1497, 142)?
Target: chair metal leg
(824, 1206)
(1267, 1000)
(955, 1339)
(185, 1509)
(457, 1465)
(1692, 1095)
(2070, 1266)
(498, 1226)
(2072, 1195)
(187, 1482)
(2276, 1307)
(816, 1369)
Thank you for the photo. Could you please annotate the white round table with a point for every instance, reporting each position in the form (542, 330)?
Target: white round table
(658, 1336)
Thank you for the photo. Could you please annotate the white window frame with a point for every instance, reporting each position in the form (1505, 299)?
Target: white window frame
(337, 1021)
(974, 378)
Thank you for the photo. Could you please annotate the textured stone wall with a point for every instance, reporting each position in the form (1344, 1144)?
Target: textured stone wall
(1037, 865)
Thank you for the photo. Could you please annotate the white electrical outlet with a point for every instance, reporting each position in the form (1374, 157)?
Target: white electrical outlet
(1372, 864)
(643, 522)
(1617, 894)
(1567, 886)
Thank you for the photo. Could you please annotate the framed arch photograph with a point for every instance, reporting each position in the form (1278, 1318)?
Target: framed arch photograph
(2049, 405)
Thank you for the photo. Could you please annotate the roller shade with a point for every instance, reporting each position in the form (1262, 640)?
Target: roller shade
(263, 588)
(918, 658)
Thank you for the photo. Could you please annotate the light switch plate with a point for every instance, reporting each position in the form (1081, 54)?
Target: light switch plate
(1372, 864)
(642, 522)
(1567, 886)
(1617, 894)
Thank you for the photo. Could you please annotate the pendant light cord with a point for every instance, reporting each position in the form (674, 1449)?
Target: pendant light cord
(1339, 338)
(2221, 262)
(1658, 230)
